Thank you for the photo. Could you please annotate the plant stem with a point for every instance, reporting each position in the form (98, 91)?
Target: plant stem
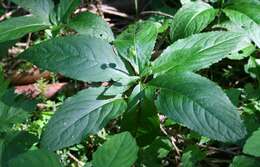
(173, 140)
(80, 163)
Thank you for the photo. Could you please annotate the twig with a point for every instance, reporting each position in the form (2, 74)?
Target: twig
(80, 163)
(117, 13)
(28, 41)
(173, 140)
(218, 149)
(8, 14)
(99, 8)
(156, 12)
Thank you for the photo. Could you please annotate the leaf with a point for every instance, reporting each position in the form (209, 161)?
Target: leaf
(89, 164)
(250, 119)
(15, 143)
(200, 105)
(197, 52)
(233, 94)
(141, 119)
(119, 87)
(252, 145)
(251, 92)
(245, 47)
(253, 67)
(10, 98)
(35, 158)
(41, 9)
(152, 155)
(79, 57)
(136, 44)
(122, 150)
(10, 116)
(250, 28)
(1, 151)
(65, 9)
(4, 48)
(4, 84)
(244, 161)
(79, 116)
(90, 24)
(191, 156)
(17, 27)
(244, 52)
(192, 18)
(251, 8)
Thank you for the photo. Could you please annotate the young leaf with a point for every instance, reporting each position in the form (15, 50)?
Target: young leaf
(35, 158)
(41, 9)
(251, 8)
(65, 9)
(197, 52)
(17, 27)
(192, 18)
(80, 115)
(79, 57)
(119, 151)
(249, 27)
(252, 145)
(90, 24)
(199, 104)
(136, 44)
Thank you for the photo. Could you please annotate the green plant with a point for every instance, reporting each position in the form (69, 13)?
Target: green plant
(141, 87)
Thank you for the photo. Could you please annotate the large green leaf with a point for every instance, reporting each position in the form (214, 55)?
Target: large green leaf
(119, 151)
(197, 52)
(17, 27)
(249, 27)
(251, 8)
(199, 104)
(66, 8)
(192, 18)
(92, 25)
(80, 115)
(136, 44)
(79, 57)
(35, 158)
(38, 8)
(252, 145)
